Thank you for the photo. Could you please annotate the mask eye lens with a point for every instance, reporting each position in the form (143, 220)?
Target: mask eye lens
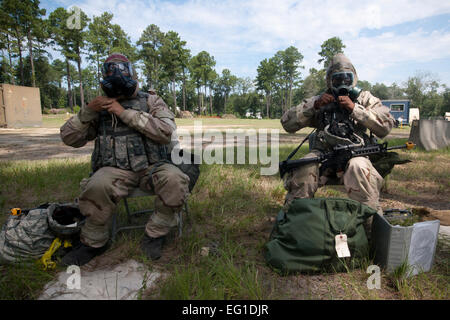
(110, 67)
(342, 78)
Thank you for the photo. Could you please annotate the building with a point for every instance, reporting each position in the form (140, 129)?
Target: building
(19, 106)
(250, 114)
(399, 109)
(413, 115)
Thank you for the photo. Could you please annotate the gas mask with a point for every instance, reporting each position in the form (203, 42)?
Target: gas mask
(118, 79)
(341, 85)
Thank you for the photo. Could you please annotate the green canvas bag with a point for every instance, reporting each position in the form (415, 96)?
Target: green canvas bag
(303, 238)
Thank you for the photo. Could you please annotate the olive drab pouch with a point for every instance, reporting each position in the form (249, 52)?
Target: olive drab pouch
(191, 168)
(320, 234)
(121, 151)
(136, 152)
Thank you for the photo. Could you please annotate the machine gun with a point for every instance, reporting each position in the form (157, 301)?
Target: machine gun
(339, 156)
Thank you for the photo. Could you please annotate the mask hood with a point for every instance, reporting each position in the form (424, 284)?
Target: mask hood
(340, 63)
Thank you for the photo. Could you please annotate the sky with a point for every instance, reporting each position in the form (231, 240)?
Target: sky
(387, 41)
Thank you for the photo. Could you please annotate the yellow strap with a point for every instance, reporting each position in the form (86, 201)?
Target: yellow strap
(67, 243)
(46, 259)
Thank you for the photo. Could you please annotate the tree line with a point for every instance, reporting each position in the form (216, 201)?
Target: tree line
(186, 82)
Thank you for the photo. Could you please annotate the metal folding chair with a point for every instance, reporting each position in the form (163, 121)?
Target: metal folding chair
(137, 192)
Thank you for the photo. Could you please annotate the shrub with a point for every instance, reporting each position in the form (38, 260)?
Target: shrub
(76, 109)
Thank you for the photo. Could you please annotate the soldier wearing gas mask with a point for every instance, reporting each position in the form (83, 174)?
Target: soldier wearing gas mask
(342, 116)
(133, 138)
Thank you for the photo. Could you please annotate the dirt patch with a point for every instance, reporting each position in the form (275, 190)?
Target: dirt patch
(45, 143)
(427, 215)
(37, 144)
(109, 259)
(332, 286)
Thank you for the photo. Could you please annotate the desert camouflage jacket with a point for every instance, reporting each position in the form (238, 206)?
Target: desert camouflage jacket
(368, 113)
(140, 136)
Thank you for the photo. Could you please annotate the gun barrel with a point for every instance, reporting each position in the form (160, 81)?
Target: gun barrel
(297, 162)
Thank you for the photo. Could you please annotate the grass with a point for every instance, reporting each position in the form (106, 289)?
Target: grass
(54, 120)
(222, 275)
(231, 212)
(29, 183)
(230, 123)
(431, 285)
(23, 281)
(57, 120)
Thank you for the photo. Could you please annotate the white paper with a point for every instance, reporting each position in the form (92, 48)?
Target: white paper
(342, 246)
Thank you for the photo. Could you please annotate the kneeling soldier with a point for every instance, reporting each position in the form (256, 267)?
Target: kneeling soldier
(341, 116)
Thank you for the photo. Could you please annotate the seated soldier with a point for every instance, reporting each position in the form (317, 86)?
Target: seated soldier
(132, 132)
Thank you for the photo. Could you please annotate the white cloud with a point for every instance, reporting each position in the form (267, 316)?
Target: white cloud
(373, 56)
(230, 29)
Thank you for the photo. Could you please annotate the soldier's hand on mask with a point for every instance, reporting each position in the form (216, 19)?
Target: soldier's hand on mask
(114, 107)
(346, 102)
(323, 100)
(98, 103)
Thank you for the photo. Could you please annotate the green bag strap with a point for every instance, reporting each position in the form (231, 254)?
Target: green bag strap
(330, 213)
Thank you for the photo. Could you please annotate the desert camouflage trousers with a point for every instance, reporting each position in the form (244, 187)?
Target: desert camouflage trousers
(101, 193)
(361, 180)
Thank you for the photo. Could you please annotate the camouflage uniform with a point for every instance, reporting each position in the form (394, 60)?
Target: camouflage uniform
(361, 180)
(130, 151)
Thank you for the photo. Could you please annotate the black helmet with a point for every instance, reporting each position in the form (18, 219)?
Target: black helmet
(65, 220)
